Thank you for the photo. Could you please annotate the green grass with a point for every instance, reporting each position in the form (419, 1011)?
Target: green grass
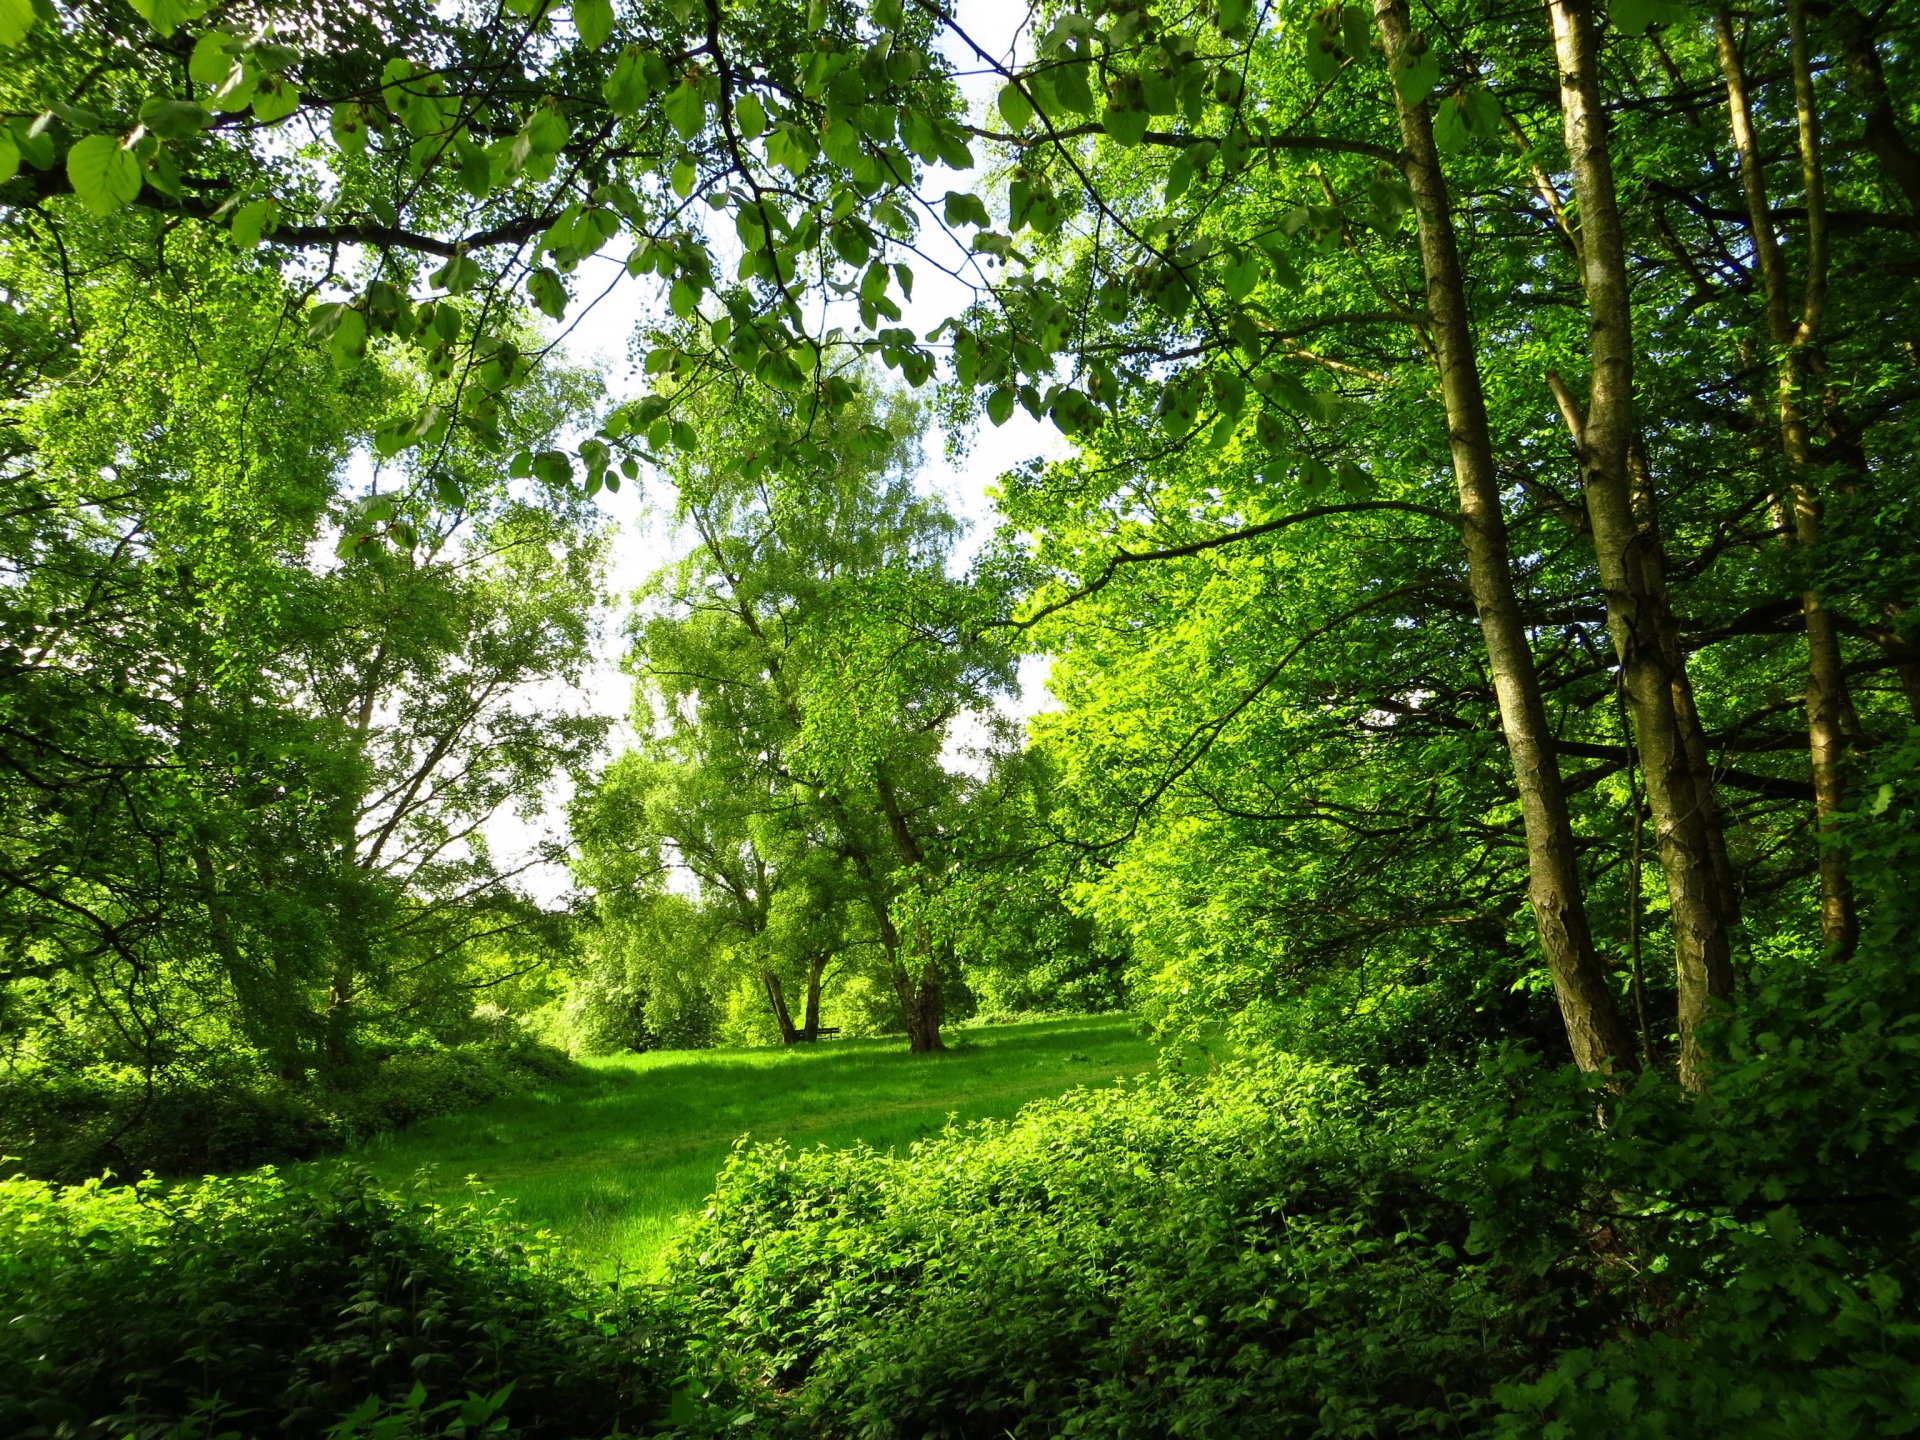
(615, 1157)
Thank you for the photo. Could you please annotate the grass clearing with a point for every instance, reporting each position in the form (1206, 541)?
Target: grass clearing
(614, 1158)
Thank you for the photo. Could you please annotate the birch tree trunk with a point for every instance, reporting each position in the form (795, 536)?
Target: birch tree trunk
(1599, 1037)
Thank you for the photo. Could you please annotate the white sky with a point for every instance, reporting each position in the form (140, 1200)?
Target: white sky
(643, 540)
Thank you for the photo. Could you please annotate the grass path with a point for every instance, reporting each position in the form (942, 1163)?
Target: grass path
(615, 1157)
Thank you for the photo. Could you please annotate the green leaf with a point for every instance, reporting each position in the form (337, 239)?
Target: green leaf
(1071, 87)
(962, 208)
(1015, 108)
(553, 467)
(1636, 17)
(1450, 125)
(174, 119)
(548, 293)
(1127, 127)
(9, 157)
(686, 109)
(34, 143)
(1417, 72)
(166, 16)
(16, 19)
(1241, 273)
(750, 115)
(547, 131)
(1000, 405)
(103, 175)
(627, 88)
(251, 222)
(594, 20)
(275, 99)
(349, 126)
(211, 60)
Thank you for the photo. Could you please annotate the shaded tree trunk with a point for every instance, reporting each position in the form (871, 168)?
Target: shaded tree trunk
(1632, 571)
(1596, 1032)
(1796, 338)
(777, 1003)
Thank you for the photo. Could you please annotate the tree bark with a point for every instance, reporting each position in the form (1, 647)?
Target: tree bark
(1598, 1036)
(777, 1003)
(1880, 128)
(1632, 573)
(1796, 340)
(810, 1023)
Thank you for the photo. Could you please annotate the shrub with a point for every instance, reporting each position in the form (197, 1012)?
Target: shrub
(248, 1307)
(224, 1118)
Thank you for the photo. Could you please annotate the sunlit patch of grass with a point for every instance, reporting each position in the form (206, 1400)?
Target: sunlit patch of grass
(615, 1157)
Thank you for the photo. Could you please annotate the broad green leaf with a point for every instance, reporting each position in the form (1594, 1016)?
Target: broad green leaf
(553, 467)
(686, 109)
(275, 99)
(1450, 125)
(103, 175)
(547, 131)
(962, 208)
(34, 144)
(1481, 110)
(9, 157)
(1417, 72)
(16, 19)
(1241, 273)
(626, 89)
(548, 293)
(473, 168)
(174, 119)
(211, 60)
(349, 126)
(594, 20)
(251, 222)
(750, 115)
(1014, 107)
(1636, 17)
(166, 16)
(349, 339)
(1127, 127)
(1000, 405)
(457, 276)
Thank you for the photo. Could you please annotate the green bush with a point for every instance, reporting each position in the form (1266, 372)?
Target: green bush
(1291, 1248)
(248, 1307)
(224, 1118)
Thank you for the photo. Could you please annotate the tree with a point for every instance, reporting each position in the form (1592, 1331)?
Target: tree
(810, 659)
(1203, 213)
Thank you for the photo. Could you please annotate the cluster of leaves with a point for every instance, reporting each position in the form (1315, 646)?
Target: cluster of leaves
(249, 1306)
(1294, 1247)
(227, 1116)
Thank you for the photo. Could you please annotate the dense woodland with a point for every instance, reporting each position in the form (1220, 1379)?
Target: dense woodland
(1479, 585)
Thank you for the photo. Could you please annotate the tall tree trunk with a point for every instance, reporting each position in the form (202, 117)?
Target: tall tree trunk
(920, 984)
(1598, 1035)
(816, 972)
(1632, 573)
(777, 1003)
(1796, 339)
(1881, 127)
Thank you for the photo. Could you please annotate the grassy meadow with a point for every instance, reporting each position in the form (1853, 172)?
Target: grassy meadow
(613, 1158)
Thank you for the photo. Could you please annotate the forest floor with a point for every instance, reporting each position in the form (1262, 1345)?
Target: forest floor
(615, 1157)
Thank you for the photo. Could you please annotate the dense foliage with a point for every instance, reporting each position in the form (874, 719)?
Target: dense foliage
(1481, 589)
(248, 1306)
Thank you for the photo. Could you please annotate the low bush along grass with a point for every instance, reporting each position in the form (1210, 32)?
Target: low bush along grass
(1281, 1246)
(246, 1307)
(620, 1151)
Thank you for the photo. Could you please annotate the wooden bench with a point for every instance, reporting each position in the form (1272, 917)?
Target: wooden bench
(827, 1031)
